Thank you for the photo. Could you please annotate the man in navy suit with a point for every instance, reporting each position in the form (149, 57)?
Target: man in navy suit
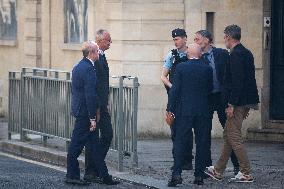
(188, 102)
(85, 110)
(217, 58)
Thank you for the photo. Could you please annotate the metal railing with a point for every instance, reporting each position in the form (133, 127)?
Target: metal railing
(40, 103)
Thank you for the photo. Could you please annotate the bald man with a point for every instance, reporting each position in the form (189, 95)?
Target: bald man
(85, 110)
(188, 101)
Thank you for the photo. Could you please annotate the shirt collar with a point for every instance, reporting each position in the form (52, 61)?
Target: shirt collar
(101, 52)
(91, 61)
(210, 50)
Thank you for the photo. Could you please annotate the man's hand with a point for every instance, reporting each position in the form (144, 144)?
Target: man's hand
(93, 125)
(170, 117)
(230, 111)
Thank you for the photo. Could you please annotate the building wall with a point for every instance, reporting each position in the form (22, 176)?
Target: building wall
(141, 34)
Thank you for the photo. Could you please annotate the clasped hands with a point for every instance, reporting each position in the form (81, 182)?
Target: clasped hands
(94, 122)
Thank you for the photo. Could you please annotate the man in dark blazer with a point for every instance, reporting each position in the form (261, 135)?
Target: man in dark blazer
(242, 95)
(217, 58)
(103, 40)
(188, 102)
(85, 110)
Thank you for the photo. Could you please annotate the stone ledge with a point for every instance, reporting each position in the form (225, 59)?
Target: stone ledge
(272, 135)
(71, 46)
(11, 43)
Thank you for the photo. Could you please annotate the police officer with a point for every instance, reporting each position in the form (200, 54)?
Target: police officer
(217, 58)
(174, 57)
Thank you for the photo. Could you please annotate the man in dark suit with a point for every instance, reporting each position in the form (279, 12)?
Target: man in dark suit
(85, 110)
(103, 40)
(217, 58)
(242, 95)
(188, 102)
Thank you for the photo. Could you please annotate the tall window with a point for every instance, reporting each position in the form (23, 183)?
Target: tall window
(210, 22)
(8, 21)
(76, 21)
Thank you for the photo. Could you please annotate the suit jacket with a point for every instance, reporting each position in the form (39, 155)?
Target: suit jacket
(103, 80)
(192, 85)
(221, 58)
(84, 90)
(240, 83)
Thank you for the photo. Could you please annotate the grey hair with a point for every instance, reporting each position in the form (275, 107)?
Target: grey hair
(100, 34)
(234, 31)
(87, 47)
(206, 34)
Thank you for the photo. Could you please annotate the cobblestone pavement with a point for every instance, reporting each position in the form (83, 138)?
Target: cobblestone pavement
(267, 161)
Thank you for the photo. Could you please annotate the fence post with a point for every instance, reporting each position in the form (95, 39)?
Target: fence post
(120, 125)
(22, 96)
(44, 138)
(10, 113)
(134, 129)
(67, 122)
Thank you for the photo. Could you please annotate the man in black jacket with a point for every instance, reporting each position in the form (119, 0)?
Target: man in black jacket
(103, 40)
(242, 95)
(217, 58)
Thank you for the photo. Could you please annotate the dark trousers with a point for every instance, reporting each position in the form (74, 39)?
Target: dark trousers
(80, 136)
(217, 104)
(106, 135)
(189, 146)
(184, 126)
(188, 152)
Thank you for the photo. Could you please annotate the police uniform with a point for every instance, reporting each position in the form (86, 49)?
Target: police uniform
(173, 58)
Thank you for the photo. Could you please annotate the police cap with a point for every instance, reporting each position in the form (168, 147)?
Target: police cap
(178, 33)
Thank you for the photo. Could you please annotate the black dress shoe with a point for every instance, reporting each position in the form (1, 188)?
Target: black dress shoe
(175, 180)
(92, 178)
(109, 181)
(76, 181)
(198, 181)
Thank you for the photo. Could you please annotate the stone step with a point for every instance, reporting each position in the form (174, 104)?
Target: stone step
(265, 134)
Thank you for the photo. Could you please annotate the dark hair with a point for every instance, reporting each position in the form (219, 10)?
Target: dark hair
(234, 31)
(206, 34)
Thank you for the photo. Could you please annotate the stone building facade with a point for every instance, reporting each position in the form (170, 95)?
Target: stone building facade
(49, 33)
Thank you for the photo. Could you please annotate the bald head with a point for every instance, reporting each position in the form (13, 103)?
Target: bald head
(90, 50)
(194, 51)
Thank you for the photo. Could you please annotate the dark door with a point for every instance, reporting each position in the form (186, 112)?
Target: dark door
(277, 61)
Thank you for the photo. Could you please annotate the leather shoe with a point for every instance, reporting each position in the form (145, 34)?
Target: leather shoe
(92, 178)
(198, 181)
(109, 181)
(76, 181)
(175, 180)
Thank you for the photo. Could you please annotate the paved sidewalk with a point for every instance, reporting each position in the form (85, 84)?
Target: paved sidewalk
(155, 160)
(267, 160)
